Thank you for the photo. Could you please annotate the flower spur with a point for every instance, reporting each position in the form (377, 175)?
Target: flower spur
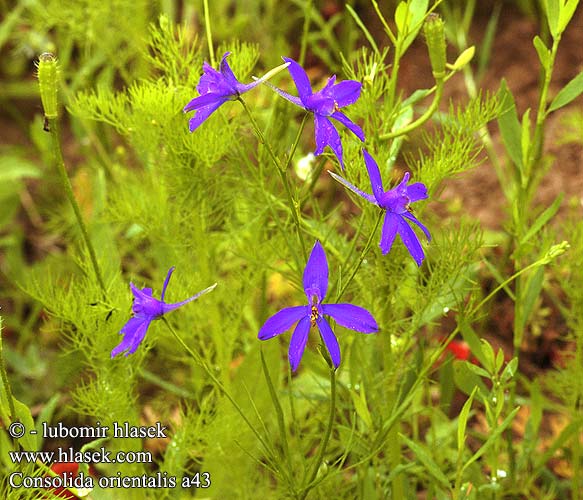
(218, 87)
(396, 202)
(146, 309)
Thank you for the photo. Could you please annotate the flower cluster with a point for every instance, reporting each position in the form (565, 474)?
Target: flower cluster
(216, 88)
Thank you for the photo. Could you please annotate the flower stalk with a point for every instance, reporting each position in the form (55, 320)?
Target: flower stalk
(282, 170)
(318, 460)
(280, 416)
(209, 34)
(48, 77)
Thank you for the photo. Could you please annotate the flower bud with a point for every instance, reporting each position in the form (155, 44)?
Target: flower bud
(555, 251)
(434, 31)
(48, 80)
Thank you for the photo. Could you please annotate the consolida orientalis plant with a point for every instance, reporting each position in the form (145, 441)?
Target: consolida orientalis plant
(251, 186)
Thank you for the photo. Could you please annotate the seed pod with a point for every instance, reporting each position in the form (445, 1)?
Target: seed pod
(435, 37)
(48, 80)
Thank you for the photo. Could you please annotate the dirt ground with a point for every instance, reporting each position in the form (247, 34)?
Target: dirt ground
(513, 58)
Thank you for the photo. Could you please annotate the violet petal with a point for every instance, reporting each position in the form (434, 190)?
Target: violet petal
(282, 321)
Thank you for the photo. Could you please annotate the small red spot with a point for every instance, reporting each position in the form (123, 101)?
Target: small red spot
(62, 468)
(71, 471)
(460, 349)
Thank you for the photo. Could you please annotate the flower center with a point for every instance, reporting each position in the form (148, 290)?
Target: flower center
(314, 313)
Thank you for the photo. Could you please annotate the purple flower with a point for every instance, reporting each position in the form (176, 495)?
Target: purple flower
(216, 88)
(315, 287)
(146, 308)
(325, 104)
(396, 202)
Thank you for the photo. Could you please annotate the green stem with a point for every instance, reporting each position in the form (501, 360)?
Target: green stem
(506, 282)
(522, 200)
(209, 35)
(292, 406)
(541, 114)
(392, 91)
(362, 256)
(394, 453)
(521, 214)
(440, 81)
(293, 204)
(279, 412)
(387, 28)
(326, 438)
(314, 176)
(258, 173)
(66, 183)
(259, 134)
(296, 142)
(354, 241)
(484, 133)
(306, 28)
(5, 381)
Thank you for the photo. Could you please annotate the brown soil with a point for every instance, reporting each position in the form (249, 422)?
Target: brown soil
(514, 59)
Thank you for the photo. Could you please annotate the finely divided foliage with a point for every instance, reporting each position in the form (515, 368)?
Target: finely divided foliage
(232, 193)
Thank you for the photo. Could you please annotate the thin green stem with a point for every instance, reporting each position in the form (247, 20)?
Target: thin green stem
(292, 406)
(392, 91)
(314, 176)
(541, 114)
(258, 173)
(327, 434)
(279, 412)
(521, 215)
(293, 204)
(522, 199)
(506, 282)
(354, 241)
(259, 134)
(440, 81)
(362, 256)
(209, 34)
(394, 455)
(296, 142)
(5, 381)
(484, 134)
(305, 30)
(66, 183)
(383, 21)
